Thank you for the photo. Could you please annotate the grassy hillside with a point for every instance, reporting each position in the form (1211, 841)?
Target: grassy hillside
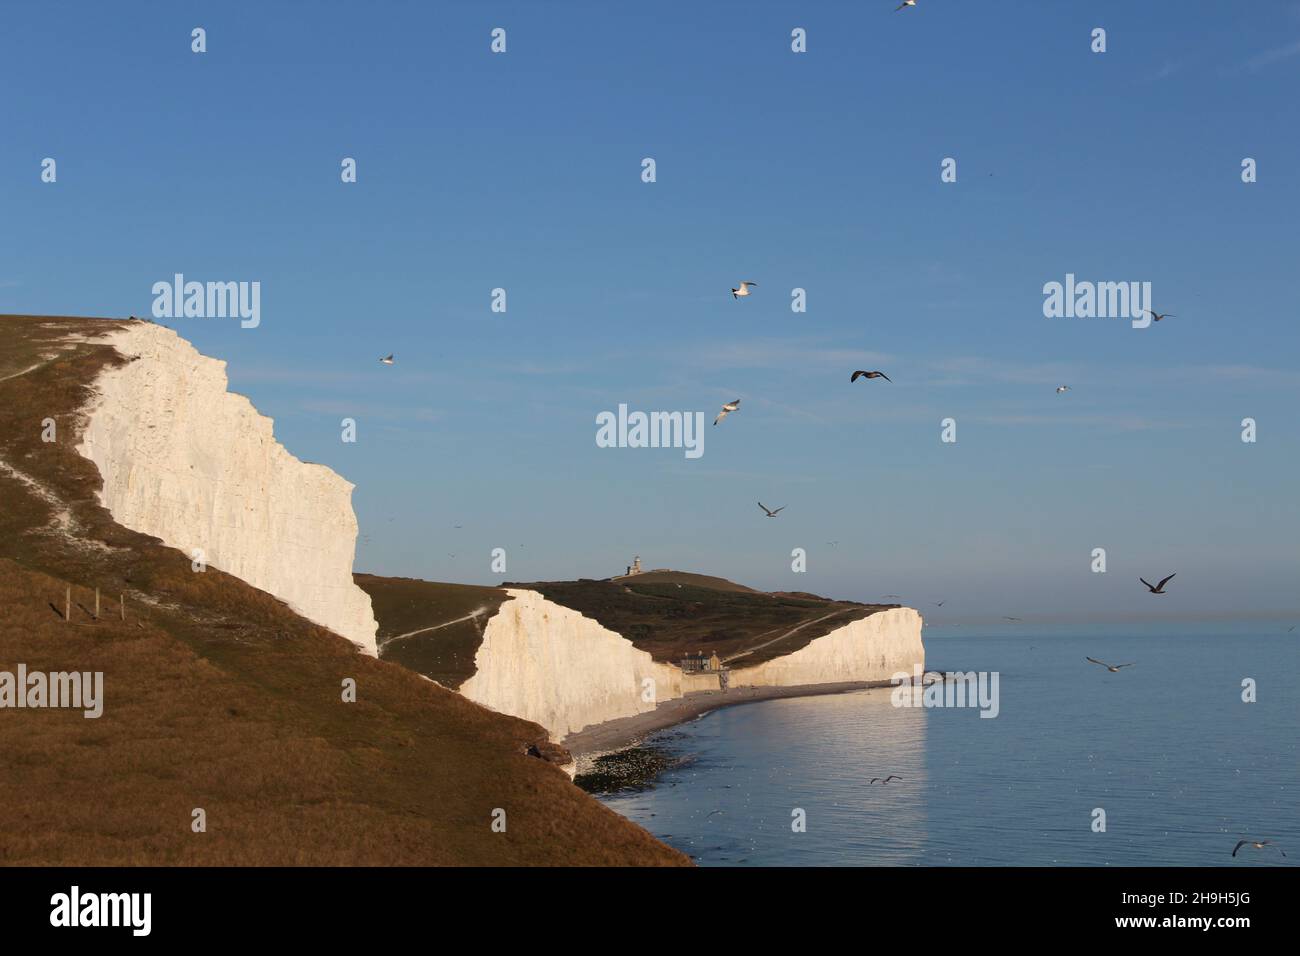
(218, 697)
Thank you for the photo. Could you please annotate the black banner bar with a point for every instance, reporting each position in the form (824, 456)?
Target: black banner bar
(336, 905)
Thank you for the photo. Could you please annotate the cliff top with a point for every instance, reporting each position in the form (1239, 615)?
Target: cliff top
(665, 576)
(436, 628)
(671, 614)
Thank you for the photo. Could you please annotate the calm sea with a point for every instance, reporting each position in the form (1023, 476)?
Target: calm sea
(1180, 765)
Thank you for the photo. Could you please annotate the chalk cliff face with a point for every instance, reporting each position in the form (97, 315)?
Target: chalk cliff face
(871, 649)
(190, 463)
(548, 663)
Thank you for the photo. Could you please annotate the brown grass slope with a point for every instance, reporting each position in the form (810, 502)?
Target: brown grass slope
(218, 697)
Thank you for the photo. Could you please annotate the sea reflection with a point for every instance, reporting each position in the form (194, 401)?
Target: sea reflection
(739, 794)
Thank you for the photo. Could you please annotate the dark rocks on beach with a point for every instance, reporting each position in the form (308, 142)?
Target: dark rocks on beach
(627, 770)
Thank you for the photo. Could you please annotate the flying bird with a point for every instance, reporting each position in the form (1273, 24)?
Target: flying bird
(1159, 315)
(1257, 844)
(387, 360)
(905, 3)
(771, 514)
(1113, 668)
(1005, 618)
(859, 373)
(891, 777)
(744, 289)
(727, 409)
(1159, 588)
(1060, 389)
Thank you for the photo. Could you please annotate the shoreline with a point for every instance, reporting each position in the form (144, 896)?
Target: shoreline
(625, 732)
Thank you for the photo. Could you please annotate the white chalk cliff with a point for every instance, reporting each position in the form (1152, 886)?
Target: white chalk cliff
(874, 648)
(548, 663)
(197, 466)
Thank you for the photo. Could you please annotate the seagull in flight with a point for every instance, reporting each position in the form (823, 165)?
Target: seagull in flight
(727, 409)
(885, 780)
(771, 514)
(1159, 315)
(905, 3)
(387, 360)
(859, 373)
(1159, 588)
(1257, 844)
(1113, 668)
(744, 289)
(1062, 389)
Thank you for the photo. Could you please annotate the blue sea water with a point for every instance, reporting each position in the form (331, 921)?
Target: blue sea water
(1182, 767)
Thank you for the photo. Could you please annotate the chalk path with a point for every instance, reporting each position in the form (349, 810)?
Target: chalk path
(397, 637)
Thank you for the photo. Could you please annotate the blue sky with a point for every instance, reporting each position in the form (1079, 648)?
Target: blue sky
(816, 170)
